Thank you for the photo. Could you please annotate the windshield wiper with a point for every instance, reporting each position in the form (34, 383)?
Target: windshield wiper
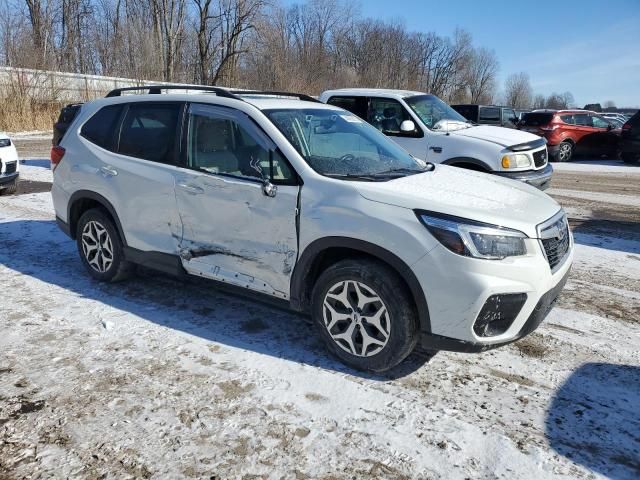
(429, 167)
(352, 176)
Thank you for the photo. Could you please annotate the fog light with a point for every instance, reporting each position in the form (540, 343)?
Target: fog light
(498, 313)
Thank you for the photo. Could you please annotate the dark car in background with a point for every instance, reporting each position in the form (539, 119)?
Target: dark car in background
(488, 114)
(573, 132)
(630, 140)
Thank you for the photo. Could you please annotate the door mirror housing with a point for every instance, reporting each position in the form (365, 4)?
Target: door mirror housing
(268, 188)
(407, 126)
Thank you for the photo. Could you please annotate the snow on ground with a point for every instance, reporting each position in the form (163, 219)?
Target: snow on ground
(153, 378)
(31, 135)
(597, 166)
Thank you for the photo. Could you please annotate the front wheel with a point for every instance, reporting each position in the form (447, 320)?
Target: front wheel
(365, 315)
(565, 152)
(10, 189)
(100, 247)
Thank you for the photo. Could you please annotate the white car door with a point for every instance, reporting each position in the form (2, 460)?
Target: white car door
(387, 114)
(236, 228)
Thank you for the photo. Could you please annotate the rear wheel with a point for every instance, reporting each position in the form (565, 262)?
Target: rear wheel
(364, 314)
(565, 152)
(100, 247)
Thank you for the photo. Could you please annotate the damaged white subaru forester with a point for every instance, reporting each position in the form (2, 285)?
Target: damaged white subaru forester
(285, 197)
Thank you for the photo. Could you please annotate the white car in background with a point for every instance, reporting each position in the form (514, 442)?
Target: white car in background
(9, 165)
(431, 130)
(308, 205)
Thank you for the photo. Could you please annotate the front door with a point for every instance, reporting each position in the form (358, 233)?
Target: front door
(387, 114)
(236, 229)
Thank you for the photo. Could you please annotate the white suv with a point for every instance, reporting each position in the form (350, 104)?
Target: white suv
(9, 165)
(430, 129)
(281, 195)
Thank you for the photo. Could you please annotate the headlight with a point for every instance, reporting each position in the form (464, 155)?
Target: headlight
(5, 142)
(474, 239)
(516, 160)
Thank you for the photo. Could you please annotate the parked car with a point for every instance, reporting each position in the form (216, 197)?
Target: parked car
(615, 116)
(488, 115)
(9, 165)
(431, 130)
(520, 114)
(309, 206)
(630, 139)
(571, 132)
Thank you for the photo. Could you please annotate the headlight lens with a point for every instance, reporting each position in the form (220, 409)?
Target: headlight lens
(516, 160)
(474, 239)
(5, 142)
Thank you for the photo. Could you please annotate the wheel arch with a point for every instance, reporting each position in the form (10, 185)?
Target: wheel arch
(83, 200)
(326, 251)
(468, 162)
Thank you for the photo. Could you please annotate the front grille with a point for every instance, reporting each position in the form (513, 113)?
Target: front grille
(540, 158)
(11, 167)
(555, 239)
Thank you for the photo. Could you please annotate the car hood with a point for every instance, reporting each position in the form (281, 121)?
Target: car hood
(504, 137)
(468, 194)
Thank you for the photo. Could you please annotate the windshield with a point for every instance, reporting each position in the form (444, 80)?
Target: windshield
(431, 110)
(338, 143)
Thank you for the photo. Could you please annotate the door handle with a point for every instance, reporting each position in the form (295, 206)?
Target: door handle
(108, 171)
(193, 189)
(436, 149)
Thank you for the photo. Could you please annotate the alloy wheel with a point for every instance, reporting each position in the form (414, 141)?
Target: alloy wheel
(356, 318)
(97, 246)
(565, 151)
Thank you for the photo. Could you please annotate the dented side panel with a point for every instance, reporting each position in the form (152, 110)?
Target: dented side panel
(234, 233)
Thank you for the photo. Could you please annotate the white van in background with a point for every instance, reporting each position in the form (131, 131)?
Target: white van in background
(431, 130)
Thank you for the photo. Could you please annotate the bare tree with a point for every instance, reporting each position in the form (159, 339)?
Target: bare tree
(609, 104)
(539, 101)
(481, 75)
(518, 91)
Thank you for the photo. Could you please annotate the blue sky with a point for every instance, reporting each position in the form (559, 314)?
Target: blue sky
(589, 47)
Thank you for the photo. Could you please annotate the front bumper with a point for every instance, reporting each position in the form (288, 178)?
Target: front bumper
(539, 313)
(538, 178)
(457, 288)
(10, 178)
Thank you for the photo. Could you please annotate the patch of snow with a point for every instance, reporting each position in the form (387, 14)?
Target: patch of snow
(597, 166)
(615, 198)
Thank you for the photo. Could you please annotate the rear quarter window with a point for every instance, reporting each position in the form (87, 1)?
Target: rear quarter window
(101, 127)
(568, 119)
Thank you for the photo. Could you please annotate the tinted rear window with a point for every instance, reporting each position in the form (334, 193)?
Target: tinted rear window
(470, 112)
(536, 119)
(490, 114)
(149, 131)
(356, 105)
(568, 119)
(100, 128)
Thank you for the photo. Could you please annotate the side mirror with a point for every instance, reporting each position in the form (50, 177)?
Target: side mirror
(268, 188)
(407, 126)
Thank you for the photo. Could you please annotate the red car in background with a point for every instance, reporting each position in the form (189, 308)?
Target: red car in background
(571, 132)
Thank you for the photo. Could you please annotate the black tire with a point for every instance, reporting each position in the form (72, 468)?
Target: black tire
(118, 269)
(10, 188)
(400, 317)
(565, 152)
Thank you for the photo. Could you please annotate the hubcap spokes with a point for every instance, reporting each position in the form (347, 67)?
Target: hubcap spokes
(97, 246)
(356, 318)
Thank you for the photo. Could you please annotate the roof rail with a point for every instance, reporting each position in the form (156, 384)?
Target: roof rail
(157, 89)
(300, 96)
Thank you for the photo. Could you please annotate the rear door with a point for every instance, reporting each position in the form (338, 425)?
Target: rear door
(136, 147)
(585, 135)
(234, 230)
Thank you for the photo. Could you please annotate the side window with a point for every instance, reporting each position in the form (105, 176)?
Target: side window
(101, 128)
(356, 105)
(149, 131)
(509, 116)
(490, 114)
(599, 122)
(222, 142)
(582, 119)
(387, 115)
(568, 119)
